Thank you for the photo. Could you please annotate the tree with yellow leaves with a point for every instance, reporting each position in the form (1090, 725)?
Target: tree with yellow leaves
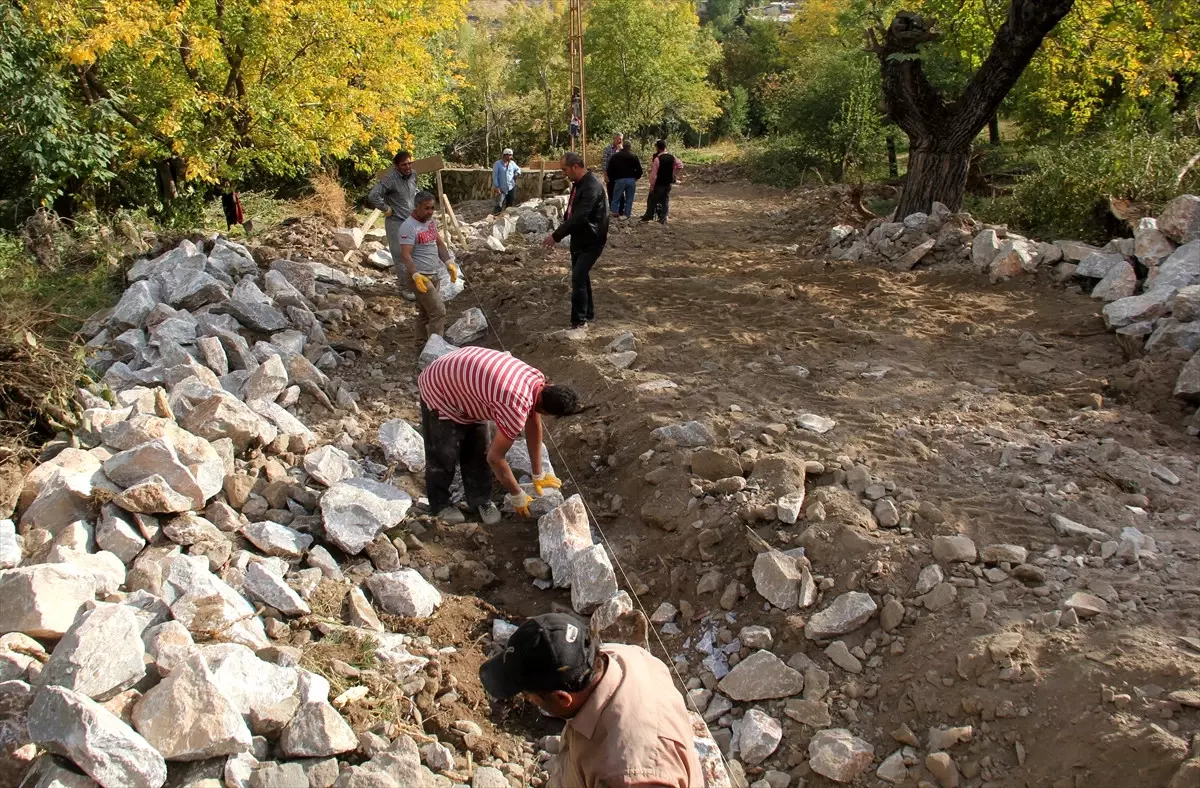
(214, 90)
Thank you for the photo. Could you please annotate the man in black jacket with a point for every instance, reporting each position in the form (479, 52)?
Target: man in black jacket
(624, 169)
(587, 224)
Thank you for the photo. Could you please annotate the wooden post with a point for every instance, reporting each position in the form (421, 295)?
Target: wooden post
(370, 222)
(542, 180)
(441, 200)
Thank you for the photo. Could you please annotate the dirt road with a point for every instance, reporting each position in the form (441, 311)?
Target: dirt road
(981, 409)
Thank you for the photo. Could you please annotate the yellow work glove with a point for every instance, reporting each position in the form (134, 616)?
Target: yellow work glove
(544, 481)
(453, 269)
(520, 503)
(421, 282)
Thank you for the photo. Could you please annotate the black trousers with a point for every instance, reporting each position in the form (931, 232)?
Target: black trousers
(582, 260)
(448, 445)
(658, 203)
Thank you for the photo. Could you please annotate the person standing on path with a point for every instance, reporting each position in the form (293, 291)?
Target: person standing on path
(423, 255)
(394, 195)
(664, 172)
(624, 169)
(627, 724)
(587, 224)
(504, 181)
(459, 393)
(609, 152)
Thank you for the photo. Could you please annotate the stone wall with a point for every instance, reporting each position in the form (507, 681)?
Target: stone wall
(466, 184)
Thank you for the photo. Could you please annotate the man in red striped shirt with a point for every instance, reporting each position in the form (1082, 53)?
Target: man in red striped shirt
(460, 392)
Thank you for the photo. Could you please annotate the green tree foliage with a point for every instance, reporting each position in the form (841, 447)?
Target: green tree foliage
(536, 38)
(647, 66)
(46, 144)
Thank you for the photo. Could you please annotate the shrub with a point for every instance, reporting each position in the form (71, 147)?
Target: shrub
(1070, 179)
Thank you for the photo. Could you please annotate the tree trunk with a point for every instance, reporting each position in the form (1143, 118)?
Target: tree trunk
(994, 130)
(893, 165)
(934, 176)
(940, 132)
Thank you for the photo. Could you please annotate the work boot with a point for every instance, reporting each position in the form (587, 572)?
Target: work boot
(489, 513)
(451, 516)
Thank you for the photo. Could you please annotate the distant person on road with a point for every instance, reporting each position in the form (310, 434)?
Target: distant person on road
(664, 172)
(394, 195)
(609, 152)
(587, 224)
(423, 256)
(627, 724)
(624, 169)
(504, 181)
(460, 392)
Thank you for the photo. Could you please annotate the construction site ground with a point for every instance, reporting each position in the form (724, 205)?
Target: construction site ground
(992, 405)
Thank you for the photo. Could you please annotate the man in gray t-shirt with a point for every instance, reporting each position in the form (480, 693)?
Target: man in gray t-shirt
(393, 195)
(423, 254)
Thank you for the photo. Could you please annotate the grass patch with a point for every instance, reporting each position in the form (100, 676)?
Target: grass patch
(264, 209)
(40, 366)
(722, 152)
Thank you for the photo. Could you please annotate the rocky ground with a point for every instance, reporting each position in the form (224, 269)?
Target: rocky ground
(890, 528)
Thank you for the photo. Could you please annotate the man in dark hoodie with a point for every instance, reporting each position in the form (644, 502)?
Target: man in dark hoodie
(624, 169)
(587, 224)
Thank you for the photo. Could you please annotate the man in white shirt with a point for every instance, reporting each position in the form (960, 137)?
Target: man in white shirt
(504, 180)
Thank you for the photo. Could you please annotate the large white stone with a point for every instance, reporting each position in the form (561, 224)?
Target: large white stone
(1187, 385)
(135, 304)
(101, 654)
(757, 735)
(761, 676)
(10, 547)
(690, 434)
(1180, 270)
(60, 492)
(253, 685)
(43, 600)
(355, 511)
(1180, 219)
(285, 422)
(168, 645)
(186, 717)
(222, 415)
(1097, 264)
(593, 581)
(847, 613)
(1150, 245)
(777, 579)
(118, 535)
(838, 754)
(1119, 282)
(278, 540)
(155, 457)
(317, 731)
(435, 348)
(208, 606)
(984, 248)
(468, 328)
(108, 750)
(1138, 308)
(404, 593)
(561, 534)
(267, 381)
(272, 590)
(402, 444)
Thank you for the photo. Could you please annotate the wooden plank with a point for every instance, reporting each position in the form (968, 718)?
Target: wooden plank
(370, 222)
(429, 164)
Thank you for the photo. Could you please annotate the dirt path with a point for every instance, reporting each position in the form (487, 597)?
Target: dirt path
(974, 404)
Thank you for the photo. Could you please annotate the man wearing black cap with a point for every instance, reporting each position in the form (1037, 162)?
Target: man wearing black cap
(626, 723)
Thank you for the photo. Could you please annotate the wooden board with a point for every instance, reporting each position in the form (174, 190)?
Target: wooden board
(429, 164)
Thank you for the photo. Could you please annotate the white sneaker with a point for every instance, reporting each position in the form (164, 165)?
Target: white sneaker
(489, 513)
(451, 515)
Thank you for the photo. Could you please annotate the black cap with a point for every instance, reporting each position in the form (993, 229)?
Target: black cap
(547, 653)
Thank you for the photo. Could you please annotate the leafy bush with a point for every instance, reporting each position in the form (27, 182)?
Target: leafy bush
(1070, 179)
(785, 161)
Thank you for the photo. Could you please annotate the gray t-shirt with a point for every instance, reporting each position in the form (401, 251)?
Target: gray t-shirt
(422, 237)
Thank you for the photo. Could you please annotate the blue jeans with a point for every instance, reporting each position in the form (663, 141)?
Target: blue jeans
(623, 189)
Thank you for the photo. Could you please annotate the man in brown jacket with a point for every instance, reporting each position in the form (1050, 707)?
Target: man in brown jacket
(626, 723)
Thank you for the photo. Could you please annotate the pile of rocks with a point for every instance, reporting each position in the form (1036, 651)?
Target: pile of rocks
(162, 570)
(1150, 283)
(526, 223)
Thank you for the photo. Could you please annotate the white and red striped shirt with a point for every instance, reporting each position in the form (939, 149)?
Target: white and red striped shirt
(477, 384)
